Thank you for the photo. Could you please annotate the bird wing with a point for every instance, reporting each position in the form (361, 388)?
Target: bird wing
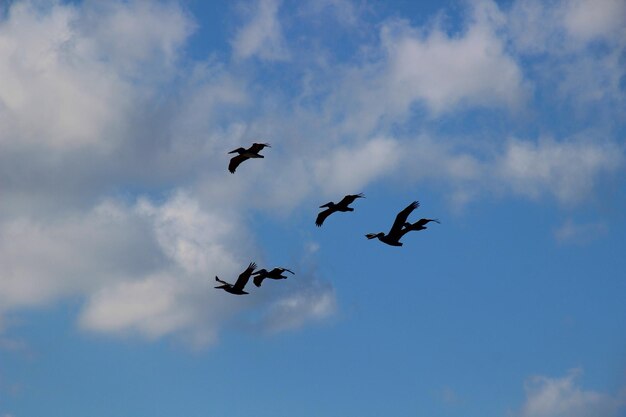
(279, 271)
(401, 218)
(244, 277)
(221, 282)
(322, 216)
(257, 147)
(257, 280)
(347, 200)
(235, 161)
(422, 222)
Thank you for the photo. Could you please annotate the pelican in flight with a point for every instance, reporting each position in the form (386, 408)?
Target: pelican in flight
(332, 207)
(397, 229)
(237, 288)
(418, 225)
(276, 273)
(251, 152)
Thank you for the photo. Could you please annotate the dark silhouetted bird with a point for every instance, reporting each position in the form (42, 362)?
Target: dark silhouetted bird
(251, 152)
(237, 288)
(332, 207)
(418, 225)
(276, 273)
(396, 232)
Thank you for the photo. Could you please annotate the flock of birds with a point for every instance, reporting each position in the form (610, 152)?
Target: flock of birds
(400, 227)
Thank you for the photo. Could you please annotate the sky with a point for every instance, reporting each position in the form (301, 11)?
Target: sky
(505, 120)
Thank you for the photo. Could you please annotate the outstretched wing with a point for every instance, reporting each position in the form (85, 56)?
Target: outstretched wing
(258, 280)
(257, 147)
(278, 271)
(244, 277)
(221, 282)
(349, 199)
(322, 216)
(401, 218)
(235, 161)
(422, 222)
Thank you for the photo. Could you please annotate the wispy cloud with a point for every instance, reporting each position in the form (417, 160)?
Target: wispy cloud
(573, 232)
(564, 397)
(566, 170)
(262, 35)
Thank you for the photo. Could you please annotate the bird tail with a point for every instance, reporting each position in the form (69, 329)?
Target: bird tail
(220, 281)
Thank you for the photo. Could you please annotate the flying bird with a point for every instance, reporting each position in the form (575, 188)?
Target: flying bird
(396, 232)
(276, 273)
(418, 225)
(251, 152)
(332, 207)
(237, 288)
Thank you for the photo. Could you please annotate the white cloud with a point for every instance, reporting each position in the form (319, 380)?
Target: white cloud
(153, 306)
(445, 70)
(143, 269)
(313, 301)
(426, 66)
(567, 170)
(561, 27)
(563, 397)
(344, 12)
(52, 93)
(262, 36)
(157, 30)
(559, 37)
(349, 170)
(572, 232)
(592, 19)
(44, 260)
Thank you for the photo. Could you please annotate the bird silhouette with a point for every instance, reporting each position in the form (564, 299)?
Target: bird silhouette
(332, 207)
(396, 232)
(276, 273)
(418, 225)
(237, 288)
(251, 152)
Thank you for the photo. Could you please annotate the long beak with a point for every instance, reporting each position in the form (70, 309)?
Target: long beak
(233, 151)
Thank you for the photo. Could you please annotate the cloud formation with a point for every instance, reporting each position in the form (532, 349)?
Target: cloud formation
(114, 142)
(563, 397)
(262, 36)
(81, 132)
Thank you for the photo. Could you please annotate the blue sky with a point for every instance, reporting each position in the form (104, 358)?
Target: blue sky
(506, 120)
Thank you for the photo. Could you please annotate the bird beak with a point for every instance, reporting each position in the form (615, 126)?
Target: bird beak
(232, 151)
